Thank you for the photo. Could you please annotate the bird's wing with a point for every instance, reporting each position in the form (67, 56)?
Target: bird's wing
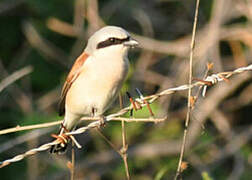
(72, 76)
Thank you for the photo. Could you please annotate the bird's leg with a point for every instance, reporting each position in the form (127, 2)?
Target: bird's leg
(102, 121)
(64, 128)
(75, 142)
(102, 117)
(94, 110)
(62, 137)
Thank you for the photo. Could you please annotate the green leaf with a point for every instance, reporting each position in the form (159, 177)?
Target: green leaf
(205, 176)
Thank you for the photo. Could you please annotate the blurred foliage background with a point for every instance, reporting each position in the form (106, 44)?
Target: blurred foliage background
(49, 34)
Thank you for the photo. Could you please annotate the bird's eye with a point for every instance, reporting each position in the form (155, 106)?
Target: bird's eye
(112, 40)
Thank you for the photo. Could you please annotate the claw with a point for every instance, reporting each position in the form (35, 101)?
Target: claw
(61, 147)
(62, 138)
(102, 121)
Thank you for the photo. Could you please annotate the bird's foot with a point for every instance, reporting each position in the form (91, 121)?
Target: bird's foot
(61, 147)
(63, 140)
(102, 118)
(102, 121)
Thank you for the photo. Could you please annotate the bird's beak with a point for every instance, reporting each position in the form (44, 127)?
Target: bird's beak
(131, 43)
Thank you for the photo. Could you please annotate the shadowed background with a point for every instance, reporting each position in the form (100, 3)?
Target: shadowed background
(49, 35)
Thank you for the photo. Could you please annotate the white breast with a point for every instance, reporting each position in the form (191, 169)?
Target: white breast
(97, 86)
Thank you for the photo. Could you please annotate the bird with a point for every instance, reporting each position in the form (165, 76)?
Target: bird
(95, 78)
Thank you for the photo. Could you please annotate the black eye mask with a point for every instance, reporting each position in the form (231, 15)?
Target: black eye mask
(112, 41)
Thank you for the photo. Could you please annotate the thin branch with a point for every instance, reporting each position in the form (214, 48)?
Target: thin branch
(46, 125)
(29, 127)
(21, 98)
(73, 162)
(62, 27)
(210, 80)
(24, 138)
(108, 141)
(44, 46)
(124, 149)
(15, 76)
(179, 170)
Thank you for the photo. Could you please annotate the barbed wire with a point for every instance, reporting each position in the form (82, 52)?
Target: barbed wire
(208, 81)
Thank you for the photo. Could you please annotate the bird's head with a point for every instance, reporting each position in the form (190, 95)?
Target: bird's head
(110, 39)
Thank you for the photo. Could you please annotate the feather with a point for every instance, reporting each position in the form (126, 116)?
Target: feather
(72, 76)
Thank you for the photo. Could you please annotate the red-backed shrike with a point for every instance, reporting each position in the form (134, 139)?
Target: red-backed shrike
(96, 77)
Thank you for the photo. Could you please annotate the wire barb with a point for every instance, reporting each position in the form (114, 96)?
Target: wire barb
(145, 102)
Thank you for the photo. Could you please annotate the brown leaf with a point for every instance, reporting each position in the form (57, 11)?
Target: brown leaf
(209, 66)
(184, 166)
(192, 101)
(69, 165)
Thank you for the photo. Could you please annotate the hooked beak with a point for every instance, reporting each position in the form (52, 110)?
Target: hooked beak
(131, 43)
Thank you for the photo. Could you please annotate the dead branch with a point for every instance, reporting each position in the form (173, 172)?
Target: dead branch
(15, 76)
(189, 104)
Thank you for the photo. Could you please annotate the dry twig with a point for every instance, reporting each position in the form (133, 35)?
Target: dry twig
(189, 107)
(15, 76)
(123, 151)
(45, 125)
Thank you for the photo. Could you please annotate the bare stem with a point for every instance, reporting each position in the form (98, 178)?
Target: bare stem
(73, 162)
(29, 127)
(15, 76)
(108, 141)
(182, 151)
(46, 125)
(125, 146)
